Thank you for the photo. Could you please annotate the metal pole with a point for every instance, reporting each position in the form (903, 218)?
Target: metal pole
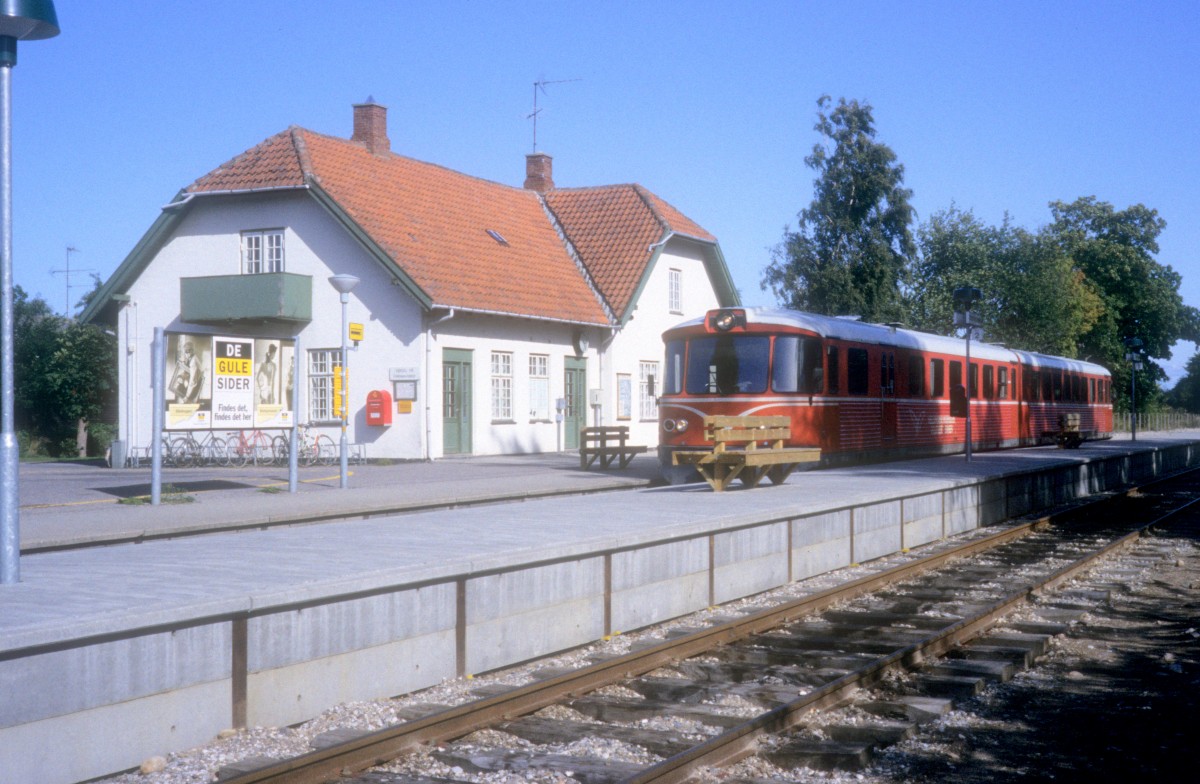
(1133, 400)
(10, 536)
(345, 461)
(158, 381)
(293, 457)
(969, 390)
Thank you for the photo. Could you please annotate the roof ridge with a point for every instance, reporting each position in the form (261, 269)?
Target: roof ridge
(580, 264)
(302, 154)
(644, 195)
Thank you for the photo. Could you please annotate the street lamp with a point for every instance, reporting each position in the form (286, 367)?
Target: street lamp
(1134, 355)
(27, 20)
(344, 285)
(964, 298)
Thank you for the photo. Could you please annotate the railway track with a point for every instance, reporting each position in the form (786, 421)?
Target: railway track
(754, 686)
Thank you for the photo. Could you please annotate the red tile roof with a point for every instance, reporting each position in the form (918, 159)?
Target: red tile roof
(434, 223)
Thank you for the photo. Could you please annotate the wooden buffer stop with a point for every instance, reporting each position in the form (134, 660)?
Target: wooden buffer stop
(737, 453)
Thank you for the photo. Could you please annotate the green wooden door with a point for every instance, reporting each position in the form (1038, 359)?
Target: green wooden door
(575, 392)
(456, 401)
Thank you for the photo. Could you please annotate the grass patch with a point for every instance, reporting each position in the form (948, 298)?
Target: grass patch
(271, 489)
(168, 494)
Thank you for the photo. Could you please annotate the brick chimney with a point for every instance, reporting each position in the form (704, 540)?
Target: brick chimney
(537, 172)
(370, 127)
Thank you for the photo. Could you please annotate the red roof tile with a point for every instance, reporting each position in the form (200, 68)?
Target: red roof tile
(434, 224)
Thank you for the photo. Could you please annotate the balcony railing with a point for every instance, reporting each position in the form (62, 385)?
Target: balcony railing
(282, 297)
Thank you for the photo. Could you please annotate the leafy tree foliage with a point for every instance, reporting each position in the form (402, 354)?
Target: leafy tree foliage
(1034, 298)
(1115, 250)
(62, 371)
(853, 242)
(1186, 394)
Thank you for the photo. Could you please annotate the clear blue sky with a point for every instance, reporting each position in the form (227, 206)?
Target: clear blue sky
(994, 107)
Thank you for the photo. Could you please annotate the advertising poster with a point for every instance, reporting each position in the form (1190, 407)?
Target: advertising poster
(189, 388)
(228, 383)
(233, 387)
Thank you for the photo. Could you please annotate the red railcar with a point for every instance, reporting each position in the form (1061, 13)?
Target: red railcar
(865, 392)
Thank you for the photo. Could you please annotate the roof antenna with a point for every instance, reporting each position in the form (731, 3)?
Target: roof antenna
(66, 273)
(540, 85)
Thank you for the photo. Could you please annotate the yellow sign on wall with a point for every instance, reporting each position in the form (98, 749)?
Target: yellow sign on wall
(356, 331)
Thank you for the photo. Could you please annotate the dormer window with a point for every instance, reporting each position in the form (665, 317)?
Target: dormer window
(262, 251)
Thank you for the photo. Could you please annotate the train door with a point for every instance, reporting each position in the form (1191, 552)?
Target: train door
(887, 397)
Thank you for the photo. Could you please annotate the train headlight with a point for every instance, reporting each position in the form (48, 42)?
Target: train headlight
(669, 425)
(681, 425)
(675, 425)
(725, 320)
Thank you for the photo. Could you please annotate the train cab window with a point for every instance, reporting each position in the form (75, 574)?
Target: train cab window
(728, 364)
(988, 388)
(857, 371)
(1002, 383)
(937, 377)
(832, 369)
(974, 380)
(916, 377)
(797, 365)
(673, 377)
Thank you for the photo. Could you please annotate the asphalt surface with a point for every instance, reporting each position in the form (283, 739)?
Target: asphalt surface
(73, 504)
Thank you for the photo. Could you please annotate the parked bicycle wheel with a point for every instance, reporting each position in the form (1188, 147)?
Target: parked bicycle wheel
(184, 451)
(281, 449)
(325, 450)
(241, 452)
(216, 452)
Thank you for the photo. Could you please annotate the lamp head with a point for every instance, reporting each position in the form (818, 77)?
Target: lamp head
(24, 20)
(343, 283)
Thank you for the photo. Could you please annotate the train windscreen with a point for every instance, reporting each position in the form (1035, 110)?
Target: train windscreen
(797, 366)
(728, 364)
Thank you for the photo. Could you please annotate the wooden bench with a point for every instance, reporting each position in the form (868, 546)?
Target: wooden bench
(736, 451)
(606, 444)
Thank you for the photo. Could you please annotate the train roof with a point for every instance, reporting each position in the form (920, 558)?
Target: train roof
(885, 334)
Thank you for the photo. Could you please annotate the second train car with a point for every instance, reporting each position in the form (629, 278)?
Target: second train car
(867, 392)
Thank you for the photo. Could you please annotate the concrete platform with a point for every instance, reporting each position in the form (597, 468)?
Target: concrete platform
(126, 651)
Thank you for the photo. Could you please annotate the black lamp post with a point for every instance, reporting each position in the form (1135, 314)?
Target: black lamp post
(27, 20)
(964, 298)
(1134, 355)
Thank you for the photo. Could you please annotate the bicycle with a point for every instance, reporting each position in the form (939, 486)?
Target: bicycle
(185, 451)
(257, 447)
(317, 450)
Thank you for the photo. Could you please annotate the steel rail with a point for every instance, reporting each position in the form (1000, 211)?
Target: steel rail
(740, 741)
(382, 746)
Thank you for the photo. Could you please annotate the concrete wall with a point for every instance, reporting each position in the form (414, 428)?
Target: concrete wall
(150, 690)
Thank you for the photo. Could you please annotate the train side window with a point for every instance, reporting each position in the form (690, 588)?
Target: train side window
(916, 377)
(832, 369)
(887, 373)
(1056, 379)
(1013, 386)
(797, 366)
(988, 388)
(857, 371)
(955, 374)
(1091, 390)
(673, 379)
(1002, 383)
(974, 380)
(1047, 385)
(937, 377)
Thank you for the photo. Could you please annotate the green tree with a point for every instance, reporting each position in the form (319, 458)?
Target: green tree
(1186, 393)
(853, 242)
(1115, 250)
(63, 372)
(1033, 297)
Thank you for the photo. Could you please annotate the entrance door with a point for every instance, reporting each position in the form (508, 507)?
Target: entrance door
(887, 397)
(575, 392)
(456, 401)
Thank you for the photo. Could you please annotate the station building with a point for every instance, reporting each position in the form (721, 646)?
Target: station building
(488, 319)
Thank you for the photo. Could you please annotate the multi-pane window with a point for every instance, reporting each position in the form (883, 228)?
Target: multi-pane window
(647, 374)
(539, 386)
(321, 364)
(675, 291)
(502, 377)
(262, 251)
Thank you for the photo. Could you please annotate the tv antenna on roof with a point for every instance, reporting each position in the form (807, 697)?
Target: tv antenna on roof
(66, 273)
(540, 86)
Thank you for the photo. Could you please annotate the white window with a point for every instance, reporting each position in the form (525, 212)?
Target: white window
(262, 251)
(648, 408)
(675, 291)
(539, 387)
(502, 371)
(321, 364)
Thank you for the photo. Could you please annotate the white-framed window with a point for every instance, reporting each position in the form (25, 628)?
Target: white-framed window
(502, 377)
(321, 364)
(262, 251)
(648, 403)
(675, 290)
(539, 387)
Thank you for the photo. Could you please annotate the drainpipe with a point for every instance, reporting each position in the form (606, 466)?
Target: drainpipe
(428, 383)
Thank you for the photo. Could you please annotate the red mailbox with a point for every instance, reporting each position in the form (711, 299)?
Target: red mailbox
(379, 408)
